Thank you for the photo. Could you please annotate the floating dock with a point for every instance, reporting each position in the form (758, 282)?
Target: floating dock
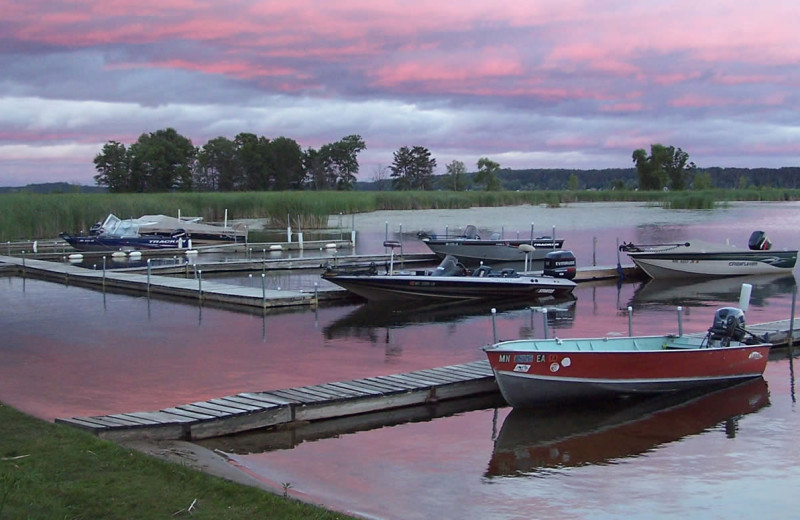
(253, 410)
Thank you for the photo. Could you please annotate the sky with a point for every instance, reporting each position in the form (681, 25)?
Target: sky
(526, 83)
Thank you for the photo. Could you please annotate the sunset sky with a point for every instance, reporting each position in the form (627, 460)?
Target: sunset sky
(529, 84)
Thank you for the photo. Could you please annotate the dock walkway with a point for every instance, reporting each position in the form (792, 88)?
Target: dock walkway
(253, 410)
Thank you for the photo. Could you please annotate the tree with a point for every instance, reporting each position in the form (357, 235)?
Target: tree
(162, 161)
(572, 182)
(286, 161)
(456, 177)
(487, 174)
(112, 167)
(335, 165)
(218, 167)
(412, 169)
(702, 181)
(252, 153)
(665, 166)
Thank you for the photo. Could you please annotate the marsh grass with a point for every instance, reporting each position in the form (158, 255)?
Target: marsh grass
(28, 216)
(54, 471)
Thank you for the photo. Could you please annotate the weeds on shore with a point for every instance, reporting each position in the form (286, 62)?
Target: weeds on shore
(29, 216)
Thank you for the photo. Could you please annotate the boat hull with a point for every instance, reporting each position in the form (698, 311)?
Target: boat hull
(739, 263)
(473, 250)
(392, 287)
(550, 371)
(106, 243)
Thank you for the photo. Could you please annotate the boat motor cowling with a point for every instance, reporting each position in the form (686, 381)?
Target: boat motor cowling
(728, 323)
(759, 241)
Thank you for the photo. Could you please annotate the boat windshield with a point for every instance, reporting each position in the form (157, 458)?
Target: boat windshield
(113, 225)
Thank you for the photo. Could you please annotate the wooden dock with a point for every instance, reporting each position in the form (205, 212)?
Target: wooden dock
(253, 410)
(154, 283)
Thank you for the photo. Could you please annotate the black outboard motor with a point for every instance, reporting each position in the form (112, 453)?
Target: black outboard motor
(728, 326)
(560, 264)
(759, 241)
(449, 267)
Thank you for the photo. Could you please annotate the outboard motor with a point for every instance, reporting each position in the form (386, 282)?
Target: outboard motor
(449, 267)
(560, 264)
(759, 241)
(728, 326)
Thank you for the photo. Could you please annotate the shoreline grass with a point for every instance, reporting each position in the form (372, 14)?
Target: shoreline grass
(30, 216)
(49, 470)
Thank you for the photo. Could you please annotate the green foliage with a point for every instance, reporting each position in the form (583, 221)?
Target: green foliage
(54, 471)
(666, 166)
(702, 181)
(487, 174)
(412, 169)
(165, 161)
(456, 177)
(28, 216)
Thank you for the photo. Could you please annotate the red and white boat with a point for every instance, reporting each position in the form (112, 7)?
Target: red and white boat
(531, 372)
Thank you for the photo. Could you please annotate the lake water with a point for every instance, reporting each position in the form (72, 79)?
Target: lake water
(70, 351)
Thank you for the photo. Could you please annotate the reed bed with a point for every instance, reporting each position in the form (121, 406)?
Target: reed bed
(29, 216)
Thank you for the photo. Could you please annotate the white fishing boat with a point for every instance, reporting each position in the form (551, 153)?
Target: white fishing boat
(702, 259)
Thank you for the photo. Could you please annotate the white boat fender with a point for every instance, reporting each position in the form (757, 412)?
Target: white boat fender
(135, 254)
(75, 257)
(276, 247)
(332, 245)
(119, 254)
(191, 252)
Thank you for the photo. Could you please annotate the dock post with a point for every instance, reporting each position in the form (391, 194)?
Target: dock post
(148, 277)
(594, 251)
(630, 321)
(300, 240)
(680, 320)
(104, 273)
(263, 290)
(791, 320)
(316, 293)
(494, 324)
(200, 285)
(544, 320)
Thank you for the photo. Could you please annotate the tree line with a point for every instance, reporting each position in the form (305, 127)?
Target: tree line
(164, 161)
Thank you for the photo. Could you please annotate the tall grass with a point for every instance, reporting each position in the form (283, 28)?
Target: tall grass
(26, 216)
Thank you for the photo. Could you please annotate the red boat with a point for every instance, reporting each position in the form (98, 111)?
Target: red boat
(607, 430)
(532, 372)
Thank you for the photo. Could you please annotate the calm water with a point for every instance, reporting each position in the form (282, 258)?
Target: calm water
(69, 351)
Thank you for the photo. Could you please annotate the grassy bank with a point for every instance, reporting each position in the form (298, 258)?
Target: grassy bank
(54, 471)
(26, 216)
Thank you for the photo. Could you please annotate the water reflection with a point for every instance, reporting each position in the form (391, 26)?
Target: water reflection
(698, 293)
(365, 320)
(602, 432)
(283, 438)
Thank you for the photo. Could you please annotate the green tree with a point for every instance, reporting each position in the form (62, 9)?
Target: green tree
(456, 177)
(252, 157)
(286, 161)
(412, 168)
(702, 181)
(113, 168)
(162, 161)
(665, 166)
(572, 182)
(340, 162)
(487, 174)
(217, 167)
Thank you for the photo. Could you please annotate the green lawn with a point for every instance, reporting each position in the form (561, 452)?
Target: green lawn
(54, 471)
